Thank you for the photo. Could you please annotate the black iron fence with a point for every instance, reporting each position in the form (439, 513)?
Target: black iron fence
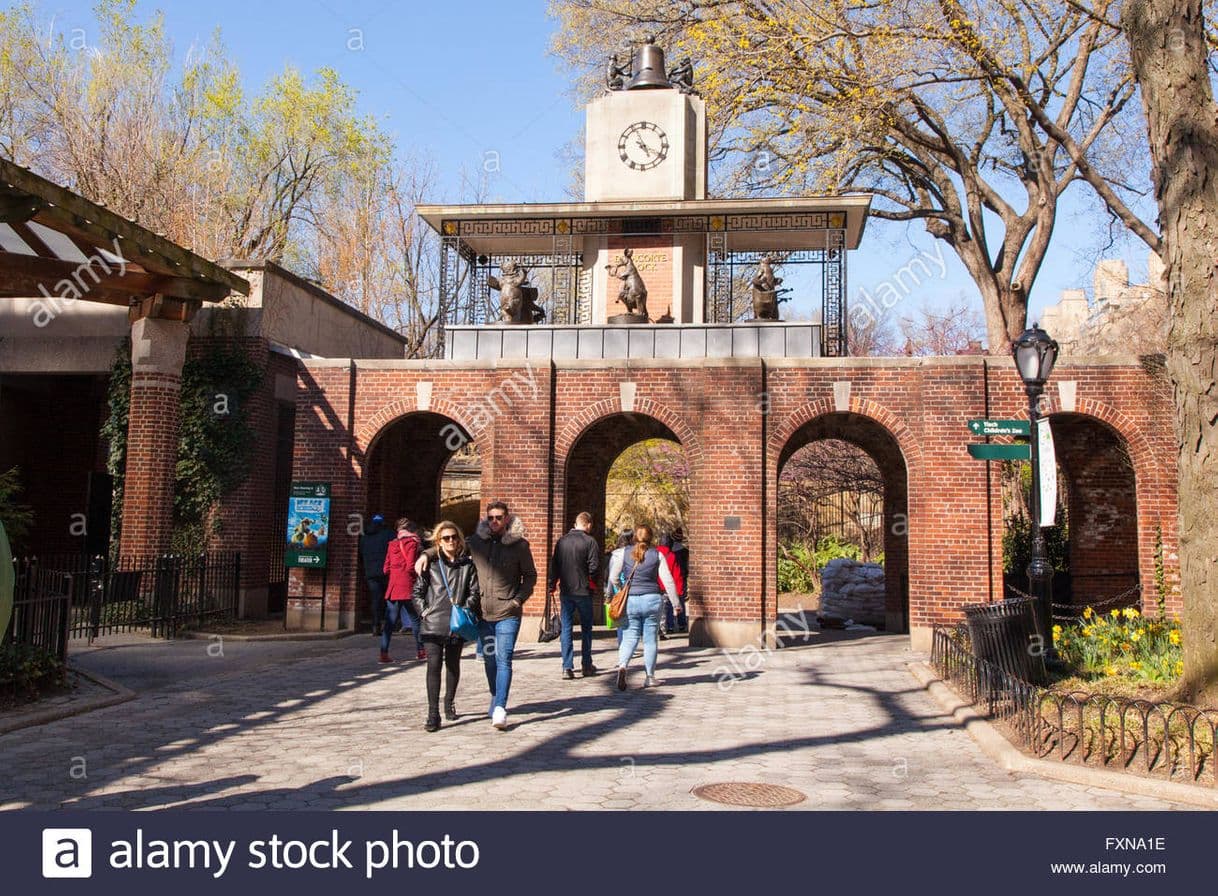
(1170, 741)
(41, 609)
(159, 594)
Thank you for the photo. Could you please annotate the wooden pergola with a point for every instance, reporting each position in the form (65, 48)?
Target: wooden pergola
(60, 246)
(50, 236)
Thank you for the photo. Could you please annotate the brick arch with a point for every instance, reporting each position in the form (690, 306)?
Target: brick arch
(1140, 453)
(864, 407)
(899, 459)
(611, 407)
(367, 432)
(1150, 474)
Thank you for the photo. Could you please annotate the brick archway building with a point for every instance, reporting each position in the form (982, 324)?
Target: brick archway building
(737, 421)
(682, 339)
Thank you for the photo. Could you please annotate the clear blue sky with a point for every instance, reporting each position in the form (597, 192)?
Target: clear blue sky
(455, 80)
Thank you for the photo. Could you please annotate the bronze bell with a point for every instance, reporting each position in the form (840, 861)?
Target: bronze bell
(648, 68)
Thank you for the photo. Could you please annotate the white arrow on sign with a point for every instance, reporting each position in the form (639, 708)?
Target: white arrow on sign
(1048, 473)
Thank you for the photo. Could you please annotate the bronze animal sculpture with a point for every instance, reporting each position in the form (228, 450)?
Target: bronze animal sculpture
(615, 74)
(682, 77)
(633, 293)
(517, 298)
(765, 291)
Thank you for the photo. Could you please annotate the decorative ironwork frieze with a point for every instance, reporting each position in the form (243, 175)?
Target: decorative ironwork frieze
(793, 221)
(510, 227)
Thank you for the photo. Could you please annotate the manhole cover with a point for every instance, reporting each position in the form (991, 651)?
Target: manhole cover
(759, 796)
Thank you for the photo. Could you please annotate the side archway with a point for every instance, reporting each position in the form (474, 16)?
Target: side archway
(1101, 505)
(405, 463)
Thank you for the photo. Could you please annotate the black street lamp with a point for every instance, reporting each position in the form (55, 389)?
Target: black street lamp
(1035, 354)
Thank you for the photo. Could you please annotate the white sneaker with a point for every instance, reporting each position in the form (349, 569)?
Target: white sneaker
(499, 718)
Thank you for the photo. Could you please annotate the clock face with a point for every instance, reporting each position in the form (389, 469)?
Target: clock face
(643, 146)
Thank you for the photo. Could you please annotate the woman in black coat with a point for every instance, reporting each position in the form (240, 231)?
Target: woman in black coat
(451, 579)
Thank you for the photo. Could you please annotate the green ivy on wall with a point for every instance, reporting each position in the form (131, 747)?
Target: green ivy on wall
(214, 442)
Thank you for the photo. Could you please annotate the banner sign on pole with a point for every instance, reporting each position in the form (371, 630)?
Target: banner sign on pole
(1048, 473)
(308, 525)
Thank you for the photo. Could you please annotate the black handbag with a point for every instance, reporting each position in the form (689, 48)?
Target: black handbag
(551, 623)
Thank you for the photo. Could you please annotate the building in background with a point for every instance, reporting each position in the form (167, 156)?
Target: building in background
(1120, 317)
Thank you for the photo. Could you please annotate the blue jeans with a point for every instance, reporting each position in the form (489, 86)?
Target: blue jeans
(643, 621)
(399, 611)
(570, 604)
(376, 597)
(498, 640)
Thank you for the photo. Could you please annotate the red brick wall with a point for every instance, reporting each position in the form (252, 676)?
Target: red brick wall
(911, 412)
(245, 514)
(152, 450)
(653, 258)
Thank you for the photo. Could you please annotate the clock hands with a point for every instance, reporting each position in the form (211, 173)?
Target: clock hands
(650, 156)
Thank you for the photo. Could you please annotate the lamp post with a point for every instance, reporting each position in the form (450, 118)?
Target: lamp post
(1035, 354)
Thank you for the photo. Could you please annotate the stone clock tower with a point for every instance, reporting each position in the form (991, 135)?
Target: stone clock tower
(646, 137)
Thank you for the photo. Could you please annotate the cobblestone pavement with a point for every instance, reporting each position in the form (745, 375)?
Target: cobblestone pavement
(322, 726)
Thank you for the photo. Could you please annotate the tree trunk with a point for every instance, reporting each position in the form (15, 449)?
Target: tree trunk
(1167, 41)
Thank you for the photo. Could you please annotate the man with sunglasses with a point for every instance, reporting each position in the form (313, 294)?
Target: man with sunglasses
(506, 578)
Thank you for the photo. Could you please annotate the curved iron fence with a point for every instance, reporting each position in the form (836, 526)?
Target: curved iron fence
(1171, 741)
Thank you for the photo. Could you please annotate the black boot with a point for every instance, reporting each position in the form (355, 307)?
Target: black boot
(433, 722)
(450, 711)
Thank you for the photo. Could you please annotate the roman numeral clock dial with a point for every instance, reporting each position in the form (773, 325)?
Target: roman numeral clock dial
(643, 146)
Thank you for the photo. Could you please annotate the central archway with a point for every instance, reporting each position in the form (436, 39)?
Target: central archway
(882, 447)
(592, 456)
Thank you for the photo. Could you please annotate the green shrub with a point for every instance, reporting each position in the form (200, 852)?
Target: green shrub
(829, 548)
(800, 563)
(25, 672)
(1017, 545)
(796, 569)
(1123, 643)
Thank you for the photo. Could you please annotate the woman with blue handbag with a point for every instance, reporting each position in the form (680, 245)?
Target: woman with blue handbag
(447, 599)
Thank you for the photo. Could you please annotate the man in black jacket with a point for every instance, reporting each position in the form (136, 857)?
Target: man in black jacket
(576, 561)
(373, 545)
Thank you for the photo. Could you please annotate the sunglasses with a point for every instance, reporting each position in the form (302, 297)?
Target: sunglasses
(497, 518)
(448, 538)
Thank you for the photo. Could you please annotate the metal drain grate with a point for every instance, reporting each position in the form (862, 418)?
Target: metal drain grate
(757, 796)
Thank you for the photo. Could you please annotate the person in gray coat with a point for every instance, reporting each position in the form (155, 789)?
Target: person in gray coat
(451, 578)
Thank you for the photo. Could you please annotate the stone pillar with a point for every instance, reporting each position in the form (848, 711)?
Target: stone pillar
(158, 349)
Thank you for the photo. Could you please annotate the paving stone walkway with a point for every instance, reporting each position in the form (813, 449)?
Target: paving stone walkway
(322, 726)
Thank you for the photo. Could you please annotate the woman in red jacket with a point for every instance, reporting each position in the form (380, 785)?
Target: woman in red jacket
(399, 566)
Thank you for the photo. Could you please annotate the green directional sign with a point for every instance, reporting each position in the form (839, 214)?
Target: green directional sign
(1000, 452)
(1000, 427)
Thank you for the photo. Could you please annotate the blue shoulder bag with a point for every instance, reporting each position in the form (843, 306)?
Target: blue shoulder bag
(461, 621)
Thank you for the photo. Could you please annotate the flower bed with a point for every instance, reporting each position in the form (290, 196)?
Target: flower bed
(1122, 644)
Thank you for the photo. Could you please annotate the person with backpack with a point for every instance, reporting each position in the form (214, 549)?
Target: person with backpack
(400, 557)
(451, 580)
